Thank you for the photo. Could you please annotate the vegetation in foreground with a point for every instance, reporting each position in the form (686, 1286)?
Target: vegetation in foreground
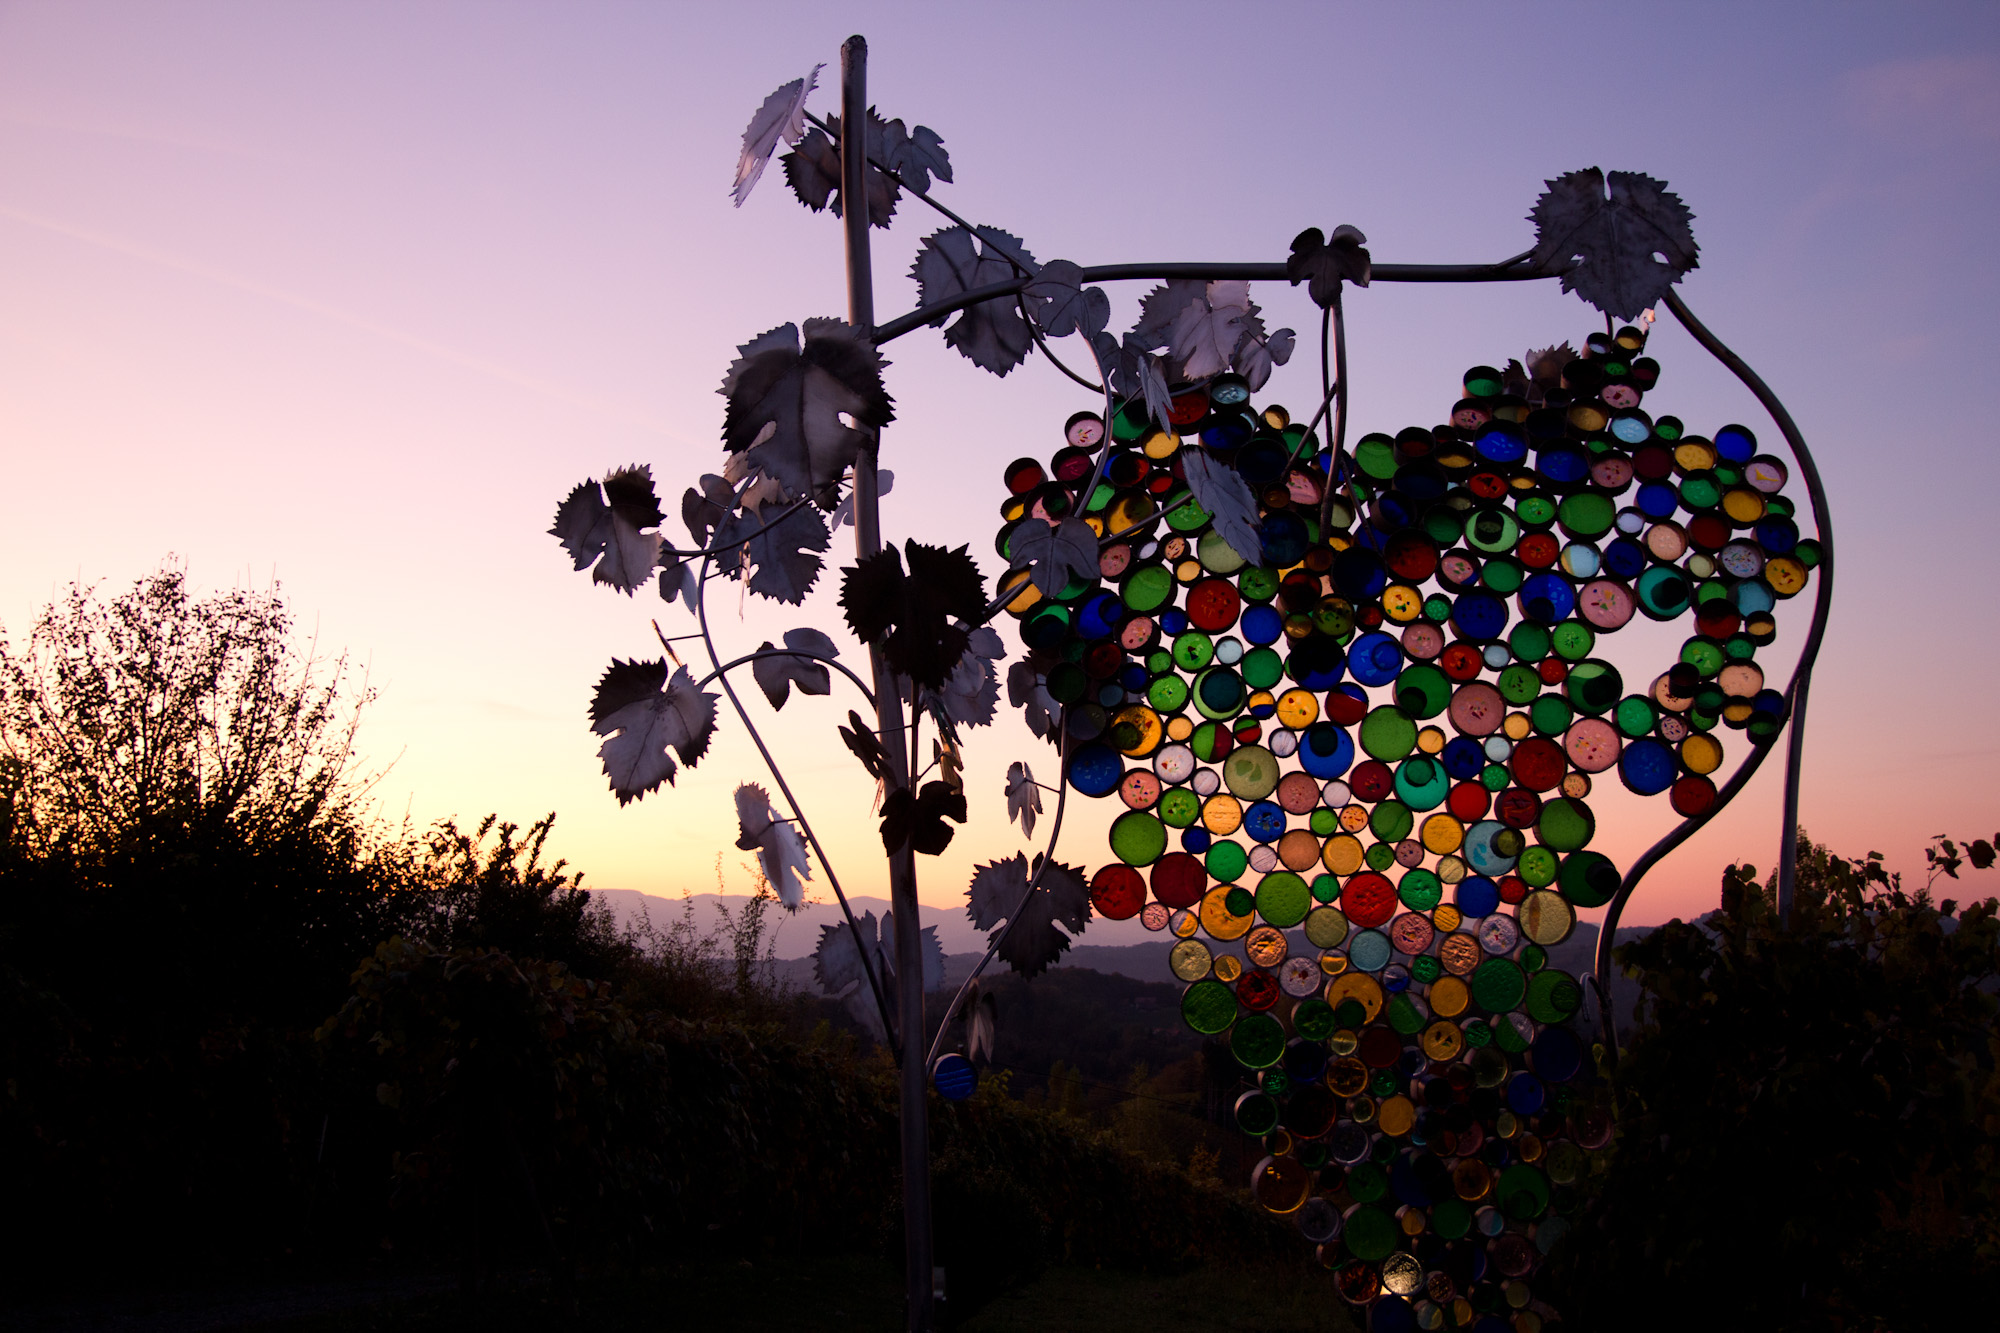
(248, 1029)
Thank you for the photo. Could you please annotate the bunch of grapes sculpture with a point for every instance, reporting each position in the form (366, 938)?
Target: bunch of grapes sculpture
(1351, 702)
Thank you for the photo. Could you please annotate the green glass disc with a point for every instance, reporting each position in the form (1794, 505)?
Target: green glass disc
(1208, 1007)
(1282, 899)
(1226, 861)
(1391, 822)
(1566, 825)
(1388, 733)
(1498, 985)
(1258, 1041)
(1138, 838)
(1422, 691)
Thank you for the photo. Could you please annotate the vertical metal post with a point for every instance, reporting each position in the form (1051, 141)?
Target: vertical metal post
(888, 716)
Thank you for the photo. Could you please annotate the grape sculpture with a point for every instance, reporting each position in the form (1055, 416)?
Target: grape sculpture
(1357, 769)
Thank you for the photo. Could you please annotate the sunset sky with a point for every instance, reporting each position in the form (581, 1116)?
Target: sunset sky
(347, 297)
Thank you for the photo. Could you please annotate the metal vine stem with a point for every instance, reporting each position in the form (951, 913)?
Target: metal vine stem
(1034, 881)
(1795, 692)
(720, 674)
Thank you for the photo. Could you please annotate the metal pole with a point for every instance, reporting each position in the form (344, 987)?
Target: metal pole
(888, 717)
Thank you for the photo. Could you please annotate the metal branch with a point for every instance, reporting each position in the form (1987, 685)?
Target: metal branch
(777, 776)
(1509, 270)
(784, 652)
(1795, 691)
(1034, 880)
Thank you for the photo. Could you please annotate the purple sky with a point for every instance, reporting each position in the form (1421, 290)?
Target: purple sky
(349, 296)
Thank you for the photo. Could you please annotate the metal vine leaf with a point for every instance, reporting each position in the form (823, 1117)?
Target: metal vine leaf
(604, 525)
(1620, 242)
(1135, 374)
(999, 890)
(971, 692)
(859, 737)
(1059, 553)
(1024, 798)
(918, 821)
(885, 481)
(703, 510)
(1062, 305)
(1159, 308)
(1218, 328)
(996, 891)
(1257, 356)
(786, 401)
(813, 167)
(1221, 490)
(776, 675)
(1206, 332)
(917, 156)
(1323, 265)
(780, 850)
(837, 961)
(782, 117)
(778, 553)
(912, 615)
(643, 714)
(680, 581)
(1028, 690)
(954, 261)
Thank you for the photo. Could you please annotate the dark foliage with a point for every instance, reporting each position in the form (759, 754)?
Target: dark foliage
(1809, 1117)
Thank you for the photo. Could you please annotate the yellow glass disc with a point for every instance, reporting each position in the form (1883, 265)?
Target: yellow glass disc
(1442, 833)
(1359, 987)
(1442, 1040)
(1701, 753)
(1402, 603)
(1298, 709)
(1144, 721)
(1030, 594)
(1342, 853)
(1222, 814)
(1785, 575)
(1228, 967)
(1398, 1116)
(1216, 918)
(1449, 997)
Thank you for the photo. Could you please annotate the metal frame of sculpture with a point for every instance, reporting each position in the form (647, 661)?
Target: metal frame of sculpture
(1208, 592)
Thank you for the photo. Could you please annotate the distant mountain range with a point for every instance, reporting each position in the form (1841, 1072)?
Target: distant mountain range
(1117, 948)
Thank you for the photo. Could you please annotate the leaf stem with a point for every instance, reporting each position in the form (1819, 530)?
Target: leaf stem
(782, 652)
(1000, 936)
(679, 554)
(777, 775)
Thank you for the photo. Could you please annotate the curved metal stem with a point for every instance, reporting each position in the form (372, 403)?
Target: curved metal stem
(1000, 937)
(777, 776)
(1337, 434)
(1055, 360)
(1795, 691)
(789, 652)
(783, 514)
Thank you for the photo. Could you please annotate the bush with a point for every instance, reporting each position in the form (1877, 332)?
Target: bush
(1809, 1117)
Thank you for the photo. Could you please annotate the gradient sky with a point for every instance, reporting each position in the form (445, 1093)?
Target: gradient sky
(348, 296)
